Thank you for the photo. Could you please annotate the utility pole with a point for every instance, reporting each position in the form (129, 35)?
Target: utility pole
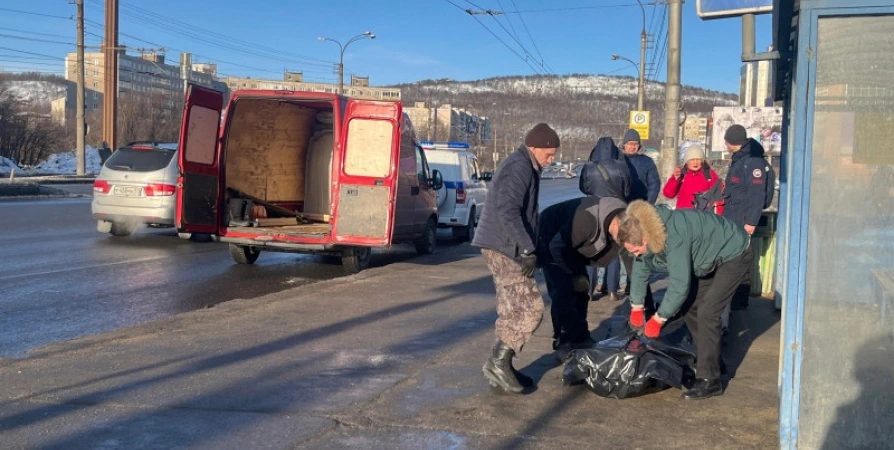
(110, 76)
(185, 69)
(668, 155)
(641, 92)
(79, 114)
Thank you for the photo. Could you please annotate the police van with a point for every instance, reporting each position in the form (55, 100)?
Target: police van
(461, 200)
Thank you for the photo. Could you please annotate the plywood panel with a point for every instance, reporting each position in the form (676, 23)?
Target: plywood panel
(267, 148)
(369, 148)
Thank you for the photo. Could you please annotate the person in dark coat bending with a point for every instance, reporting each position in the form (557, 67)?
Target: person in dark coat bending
(507, 235)
(572, 235)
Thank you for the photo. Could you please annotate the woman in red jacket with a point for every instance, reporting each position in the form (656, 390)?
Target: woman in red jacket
(698, 178)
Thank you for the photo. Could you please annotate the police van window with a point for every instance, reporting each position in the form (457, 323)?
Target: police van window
(473, 162)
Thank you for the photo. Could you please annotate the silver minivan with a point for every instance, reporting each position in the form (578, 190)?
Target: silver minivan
(136, 186)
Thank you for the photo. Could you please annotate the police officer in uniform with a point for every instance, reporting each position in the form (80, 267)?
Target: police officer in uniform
(744, 191)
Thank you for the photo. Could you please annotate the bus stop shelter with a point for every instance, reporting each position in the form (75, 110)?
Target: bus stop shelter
(835, 264)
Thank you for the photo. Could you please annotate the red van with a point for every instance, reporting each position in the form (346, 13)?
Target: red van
(303, 172)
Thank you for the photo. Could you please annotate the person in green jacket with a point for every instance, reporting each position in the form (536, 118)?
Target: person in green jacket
(705, 258)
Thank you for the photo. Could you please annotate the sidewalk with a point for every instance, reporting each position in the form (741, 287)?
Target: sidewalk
(390, 358)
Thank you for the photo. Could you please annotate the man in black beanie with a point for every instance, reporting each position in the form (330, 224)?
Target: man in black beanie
(507, 235)
(744, 191)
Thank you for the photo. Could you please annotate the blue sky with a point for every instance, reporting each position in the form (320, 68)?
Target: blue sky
(415, 39)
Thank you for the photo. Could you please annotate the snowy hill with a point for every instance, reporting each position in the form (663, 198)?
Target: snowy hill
(39, 92)
(581, 107)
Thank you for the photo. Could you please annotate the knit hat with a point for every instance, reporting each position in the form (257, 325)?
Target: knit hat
(630, 136)
(694, 151)
(542, 136)
(735, 135)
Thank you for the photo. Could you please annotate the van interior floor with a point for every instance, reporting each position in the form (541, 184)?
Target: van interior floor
(305, 229)
(278, 167)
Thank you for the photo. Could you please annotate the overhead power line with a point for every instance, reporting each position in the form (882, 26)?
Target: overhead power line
(173, 26)
(542, 62)
(18, 11)
(576, 8)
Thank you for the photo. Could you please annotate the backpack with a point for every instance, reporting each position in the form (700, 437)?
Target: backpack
(705, 201)
(769, 184)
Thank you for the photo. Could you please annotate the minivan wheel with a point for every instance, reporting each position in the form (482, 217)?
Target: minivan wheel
(120, 230)
(355, 259)
(467, 232)
(426, 244)
(243, 254)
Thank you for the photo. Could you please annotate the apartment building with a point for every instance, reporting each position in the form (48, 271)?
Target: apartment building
(294, 81)
(145, 74)
(695, 129)
(447, 123)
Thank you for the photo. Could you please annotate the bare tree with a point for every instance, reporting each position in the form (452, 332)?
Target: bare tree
(27, 133)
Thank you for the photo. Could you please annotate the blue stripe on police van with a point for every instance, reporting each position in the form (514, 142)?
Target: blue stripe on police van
(454, 185)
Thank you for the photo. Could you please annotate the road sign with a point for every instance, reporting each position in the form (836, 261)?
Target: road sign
(639, 121)
(717, 9)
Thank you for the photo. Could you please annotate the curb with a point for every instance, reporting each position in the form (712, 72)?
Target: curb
(6, 199)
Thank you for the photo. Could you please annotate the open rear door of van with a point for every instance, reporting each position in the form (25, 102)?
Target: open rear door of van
(198, 192)
(368, 180)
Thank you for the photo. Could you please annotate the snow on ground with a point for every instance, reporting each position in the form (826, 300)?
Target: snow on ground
(7, 166)
(66, 163)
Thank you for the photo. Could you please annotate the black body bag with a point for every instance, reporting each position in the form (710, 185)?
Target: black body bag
(629, 365)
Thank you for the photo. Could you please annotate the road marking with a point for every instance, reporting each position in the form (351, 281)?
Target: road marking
(92, 266)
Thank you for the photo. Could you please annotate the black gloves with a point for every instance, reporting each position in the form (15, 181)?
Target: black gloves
(528, 264)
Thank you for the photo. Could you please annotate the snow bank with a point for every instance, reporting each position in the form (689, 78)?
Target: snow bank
(66, 163)
(7, 166)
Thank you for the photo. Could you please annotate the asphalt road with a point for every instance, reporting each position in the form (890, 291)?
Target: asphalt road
(61, 279)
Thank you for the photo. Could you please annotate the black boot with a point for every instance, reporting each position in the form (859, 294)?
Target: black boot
(498, 369)
(563, 350)
(704, 389)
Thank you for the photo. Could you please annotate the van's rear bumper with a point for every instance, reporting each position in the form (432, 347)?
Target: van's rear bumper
(285, 246)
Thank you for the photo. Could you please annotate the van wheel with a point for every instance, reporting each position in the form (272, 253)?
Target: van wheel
(120, 230)
(355, 259)
(466, 233)
(426, 244)
(243, 254)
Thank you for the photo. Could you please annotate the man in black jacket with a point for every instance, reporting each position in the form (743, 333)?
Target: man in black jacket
(744, 191)
(572, 235)
(645, 185)
(606, 175)
(507, 235)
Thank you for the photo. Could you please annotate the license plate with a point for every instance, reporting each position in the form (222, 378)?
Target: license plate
(127, 191)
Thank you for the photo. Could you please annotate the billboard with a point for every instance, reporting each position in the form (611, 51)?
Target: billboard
(716, 9)
(761, 124)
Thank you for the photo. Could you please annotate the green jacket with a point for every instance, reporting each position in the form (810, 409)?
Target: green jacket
(697, 242)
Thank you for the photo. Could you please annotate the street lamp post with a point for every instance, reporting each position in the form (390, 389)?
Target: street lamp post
(640, 91)
(341, 57)
(641, 67)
